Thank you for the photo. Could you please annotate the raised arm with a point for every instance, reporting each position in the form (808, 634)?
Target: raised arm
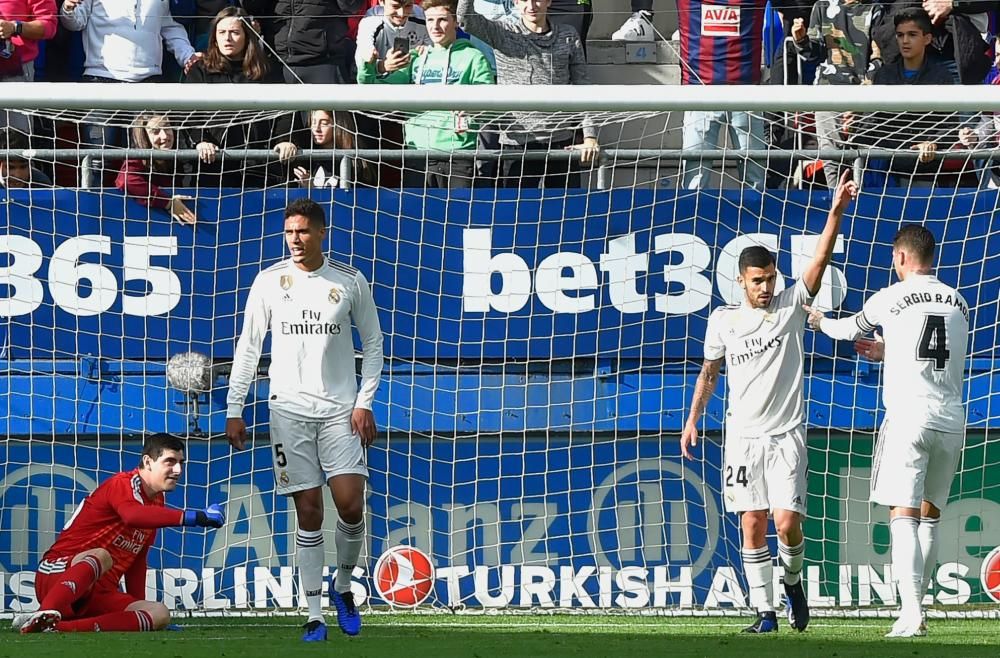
(847, 190)
(474, 23)
(708, 378)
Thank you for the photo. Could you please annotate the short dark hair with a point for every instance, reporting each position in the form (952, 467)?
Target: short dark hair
(755, 256)
(156, 444)
(917, 241)
(13, 140)
(914, 15)
(307, 208)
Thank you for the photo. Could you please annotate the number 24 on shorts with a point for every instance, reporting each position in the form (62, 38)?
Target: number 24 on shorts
(741, 476)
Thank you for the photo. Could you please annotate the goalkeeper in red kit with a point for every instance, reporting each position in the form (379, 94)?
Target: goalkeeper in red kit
(107, 538)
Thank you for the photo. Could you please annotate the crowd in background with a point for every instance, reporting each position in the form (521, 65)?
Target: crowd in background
(829, 42)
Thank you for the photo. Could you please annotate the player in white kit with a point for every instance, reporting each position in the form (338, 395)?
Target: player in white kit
(321, 420)
(925, 324)
(765, 466)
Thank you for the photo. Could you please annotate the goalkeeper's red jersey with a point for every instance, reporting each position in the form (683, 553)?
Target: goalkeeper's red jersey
(119, 517)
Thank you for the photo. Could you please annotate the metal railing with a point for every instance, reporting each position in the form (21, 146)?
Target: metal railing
(605, 163)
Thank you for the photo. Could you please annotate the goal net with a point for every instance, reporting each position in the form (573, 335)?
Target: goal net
(541, 344)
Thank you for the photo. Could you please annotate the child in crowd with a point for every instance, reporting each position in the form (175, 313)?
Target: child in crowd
(146, 180)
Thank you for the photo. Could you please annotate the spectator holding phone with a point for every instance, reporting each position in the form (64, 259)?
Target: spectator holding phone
(448, 61)
(392, 34)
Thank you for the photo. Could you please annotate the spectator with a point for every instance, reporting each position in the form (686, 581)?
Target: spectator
(958, 28)
(448, 61)
(531, 50)
(839, 42)
(336, 131)
(639, 26)
(721, 44)
(310, 37)
(23, 24)
(921, 132)
(146, 180)
(381, 31)
(16, 171)
(123, 42)
(233, 57)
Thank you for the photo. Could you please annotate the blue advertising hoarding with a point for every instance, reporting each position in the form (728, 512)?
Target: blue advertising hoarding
(622, 274)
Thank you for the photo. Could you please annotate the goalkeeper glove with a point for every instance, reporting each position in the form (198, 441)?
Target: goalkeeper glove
(210, 517)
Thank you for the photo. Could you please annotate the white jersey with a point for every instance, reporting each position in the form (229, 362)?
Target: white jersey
(309, 314)
(764, 360)
(925, 324)
(375, 31)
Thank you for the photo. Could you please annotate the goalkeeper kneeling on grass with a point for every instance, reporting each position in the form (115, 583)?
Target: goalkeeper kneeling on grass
(107, 538)
(448, 60)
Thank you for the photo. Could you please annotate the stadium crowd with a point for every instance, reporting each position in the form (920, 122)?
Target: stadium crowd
(737, 42)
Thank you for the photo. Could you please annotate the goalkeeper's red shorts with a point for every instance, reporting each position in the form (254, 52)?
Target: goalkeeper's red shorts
(101, 599)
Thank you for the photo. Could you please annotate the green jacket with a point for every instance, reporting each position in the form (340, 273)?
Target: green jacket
(460, 64)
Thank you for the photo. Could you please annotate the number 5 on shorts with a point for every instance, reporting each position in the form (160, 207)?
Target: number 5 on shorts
(279, 456)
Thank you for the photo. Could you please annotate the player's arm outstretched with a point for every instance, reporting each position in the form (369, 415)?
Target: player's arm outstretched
(708, 378)
(853, 327)
(847, 191)
(256, 320)
(365, 317)
(138, 515)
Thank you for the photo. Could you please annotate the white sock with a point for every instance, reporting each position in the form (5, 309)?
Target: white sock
(349, 538)
(791, 559)
(907, 563)
(759, 572)
(310, 555)
(927, 533)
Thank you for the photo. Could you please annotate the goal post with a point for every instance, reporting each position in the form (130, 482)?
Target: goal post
(541, 345)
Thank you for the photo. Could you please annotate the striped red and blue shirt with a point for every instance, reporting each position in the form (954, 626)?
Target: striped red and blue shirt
(721, 41)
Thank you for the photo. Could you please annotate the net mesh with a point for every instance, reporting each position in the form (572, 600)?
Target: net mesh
(542, 345)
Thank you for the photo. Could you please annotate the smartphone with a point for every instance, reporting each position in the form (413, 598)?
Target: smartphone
(401, 44)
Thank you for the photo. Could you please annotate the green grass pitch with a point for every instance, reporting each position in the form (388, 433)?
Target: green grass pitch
(537, 636)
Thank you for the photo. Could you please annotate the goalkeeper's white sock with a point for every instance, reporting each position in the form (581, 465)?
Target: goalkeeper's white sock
(310, 555)
(759, 571)
(927, 533)
(791, 559)
(907, 563)
(349, 538)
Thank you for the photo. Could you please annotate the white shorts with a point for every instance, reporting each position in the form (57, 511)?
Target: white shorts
(307, 453)
(765, 473)
(913, 464)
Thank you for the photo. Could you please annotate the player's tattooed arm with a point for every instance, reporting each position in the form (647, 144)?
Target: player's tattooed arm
(704, 387)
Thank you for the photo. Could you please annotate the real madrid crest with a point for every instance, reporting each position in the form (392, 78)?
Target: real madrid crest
(283, 478)
(286, 281)
(334, 296)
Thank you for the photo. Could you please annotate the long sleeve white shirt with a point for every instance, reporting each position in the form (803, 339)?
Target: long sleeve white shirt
(123, 39)
(309, 315)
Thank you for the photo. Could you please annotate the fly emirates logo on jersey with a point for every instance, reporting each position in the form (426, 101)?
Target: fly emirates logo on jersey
(675, 276)
(312, 323)
(132, 544)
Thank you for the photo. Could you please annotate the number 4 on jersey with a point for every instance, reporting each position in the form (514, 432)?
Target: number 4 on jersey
(934, 342)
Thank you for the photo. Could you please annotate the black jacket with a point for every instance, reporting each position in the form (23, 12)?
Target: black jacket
(307, 32)
(240, 133)
(956, 37)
